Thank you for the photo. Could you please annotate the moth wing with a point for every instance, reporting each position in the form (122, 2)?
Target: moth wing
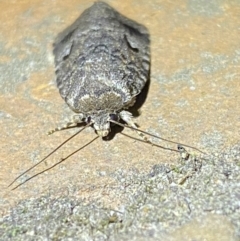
(64, 58)
(138, 40)
(68, 46)
(138, 35)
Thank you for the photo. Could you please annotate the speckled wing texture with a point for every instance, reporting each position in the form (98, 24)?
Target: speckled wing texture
(102, 60)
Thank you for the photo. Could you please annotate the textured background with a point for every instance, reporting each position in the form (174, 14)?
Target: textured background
(193, 96)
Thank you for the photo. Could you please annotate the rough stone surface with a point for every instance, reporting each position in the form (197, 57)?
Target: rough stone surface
(160, 205)
(193, 98)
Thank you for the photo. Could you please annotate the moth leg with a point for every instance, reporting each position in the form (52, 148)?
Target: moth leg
(76, 119)
(128, 118)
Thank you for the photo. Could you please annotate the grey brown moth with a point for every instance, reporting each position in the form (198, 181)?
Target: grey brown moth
(102, 63)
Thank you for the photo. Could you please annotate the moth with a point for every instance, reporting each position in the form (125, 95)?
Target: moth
(102, 64)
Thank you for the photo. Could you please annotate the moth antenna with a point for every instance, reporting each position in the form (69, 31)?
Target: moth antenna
(62, 160)
(29, 169)
(60, 128)
(149, 142)
(76, 119)
(155, 136)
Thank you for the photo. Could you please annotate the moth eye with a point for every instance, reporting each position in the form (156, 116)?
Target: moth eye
(113, 117)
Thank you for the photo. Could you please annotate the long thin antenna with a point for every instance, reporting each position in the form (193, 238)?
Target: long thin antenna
(155, 136)
(148, 142)
(62, 160)
(29, 169)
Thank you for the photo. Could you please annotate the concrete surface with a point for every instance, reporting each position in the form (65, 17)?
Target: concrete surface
(193, 98)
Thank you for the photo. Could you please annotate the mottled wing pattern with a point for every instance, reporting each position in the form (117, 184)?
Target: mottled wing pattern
(101, 51)
(138, 66)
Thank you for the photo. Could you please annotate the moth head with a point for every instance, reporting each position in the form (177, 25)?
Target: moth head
(101, 122)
